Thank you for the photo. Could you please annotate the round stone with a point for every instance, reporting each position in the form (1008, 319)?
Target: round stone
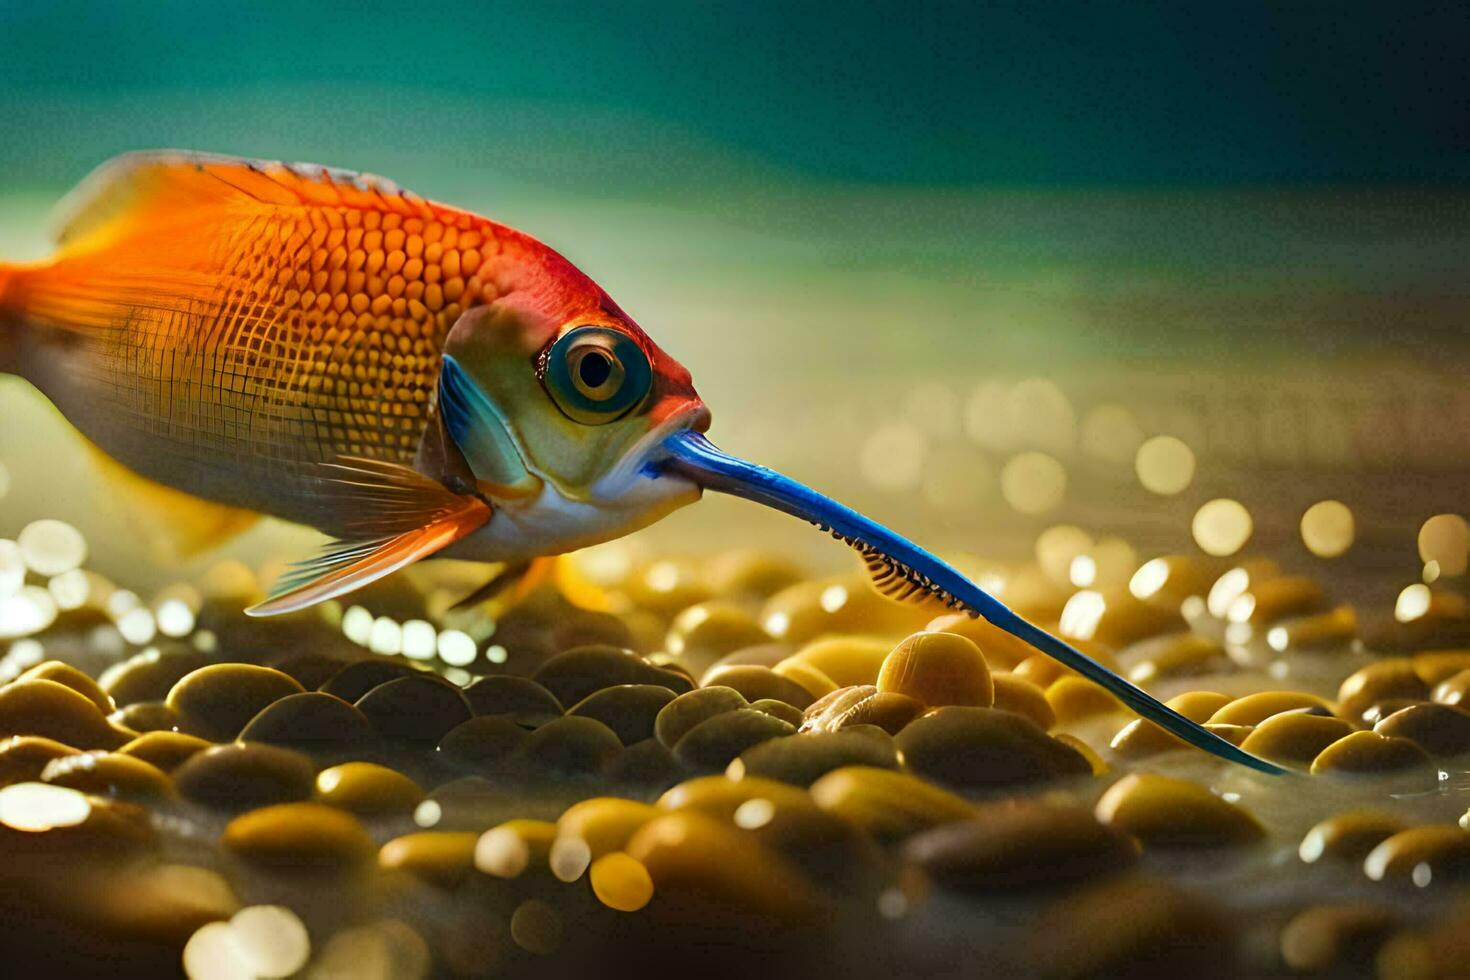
(218, 701)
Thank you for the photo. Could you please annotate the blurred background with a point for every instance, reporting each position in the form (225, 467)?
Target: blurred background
(984, 269)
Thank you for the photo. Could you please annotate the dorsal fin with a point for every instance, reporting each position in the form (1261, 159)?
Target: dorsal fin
(159, 183)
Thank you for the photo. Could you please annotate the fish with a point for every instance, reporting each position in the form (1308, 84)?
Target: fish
(411, 379)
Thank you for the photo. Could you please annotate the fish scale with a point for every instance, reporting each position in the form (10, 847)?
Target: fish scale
(318, 334)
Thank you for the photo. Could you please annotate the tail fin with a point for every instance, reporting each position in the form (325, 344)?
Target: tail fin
(9, 320)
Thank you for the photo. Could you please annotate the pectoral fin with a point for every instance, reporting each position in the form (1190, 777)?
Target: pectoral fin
(402, 517)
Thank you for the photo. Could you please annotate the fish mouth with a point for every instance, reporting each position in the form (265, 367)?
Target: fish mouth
(643, 459)
(905, 571)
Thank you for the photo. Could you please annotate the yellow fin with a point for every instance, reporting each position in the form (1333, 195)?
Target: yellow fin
(177, 525)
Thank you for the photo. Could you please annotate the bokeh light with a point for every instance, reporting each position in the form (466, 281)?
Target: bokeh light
(271, 939)
(1058, 547)
(51, 547)
(1165, 465)
(1413, 602)
(1033, 483)
(1445, 539)
(38, 807)
(1222, 527)
(1328, 528)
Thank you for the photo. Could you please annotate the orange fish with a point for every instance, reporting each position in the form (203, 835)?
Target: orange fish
(410, 378)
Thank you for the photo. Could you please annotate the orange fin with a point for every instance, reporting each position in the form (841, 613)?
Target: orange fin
(399, 516)
(154, 185)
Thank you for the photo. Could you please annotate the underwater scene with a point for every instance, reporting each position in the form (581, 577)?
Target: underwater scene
(375, 602)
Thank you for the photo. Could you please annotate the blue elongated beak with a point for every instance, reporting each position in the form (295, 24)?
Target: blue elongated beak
(911, 570)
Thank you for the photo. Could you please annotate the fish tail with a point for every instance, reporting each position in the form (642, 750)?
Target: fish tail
(10, 316)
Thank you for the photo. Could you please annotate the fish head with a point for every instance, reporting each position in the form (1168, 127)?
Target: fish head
(557, 414)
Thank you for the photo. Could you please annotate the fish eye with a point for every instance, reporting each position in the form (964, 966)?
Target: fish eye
(596, 374)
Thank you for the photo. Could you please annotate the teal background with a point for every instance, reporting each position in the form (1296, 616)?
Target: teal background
(1246, 223)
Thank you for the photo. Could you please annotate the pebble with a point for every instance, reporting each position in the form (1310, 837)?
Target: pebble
(630, 710)
(55, 670)
(576, 673)
(938, 669)
(1436, 666)
(1126, 620)
(1129, 926)
(704, 869)
(692, 708)
(647, 765)
(1438, 854)
(979, 748)
(571, 746)
(1096, 761)
(706, 631)
(621, 882)
(299, 837)
(361, 676)
(24, 757)
(420, 708)
(1073, 699)
(803, 760)
(812, 680)
(1364, 753)
(848, 661)
(788, 713)
(885, 804)
(1348, 836)
(865, 705)
(1334, 629)
(240, 777)
(1256, 708)
(310, 719)
(108, 774)
(712, 744)
(1022, 844)
(1439, 729)
(842, 605)
(520, 697)
(1274, 599)
(150, 675)
(1001, 650)
(55, 711)
(515, 847)
(1381, 681)
(1294, 739)
(440, 857)
(751, 574)
(480, 742)
(311, 670)
(368, 789)
(1342, 936)
(1170, 579)
(218, 701)
(1019, 696)
(1166, 812)
(756, 683)
(603, 824)
(1141, 737)
(1454, 690)
(147, 716)
(721, 796)
(166, 750)
(1181, 654)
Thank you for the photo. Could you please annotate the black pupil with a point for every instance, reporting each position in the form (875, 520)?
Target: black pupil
(594, 369)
